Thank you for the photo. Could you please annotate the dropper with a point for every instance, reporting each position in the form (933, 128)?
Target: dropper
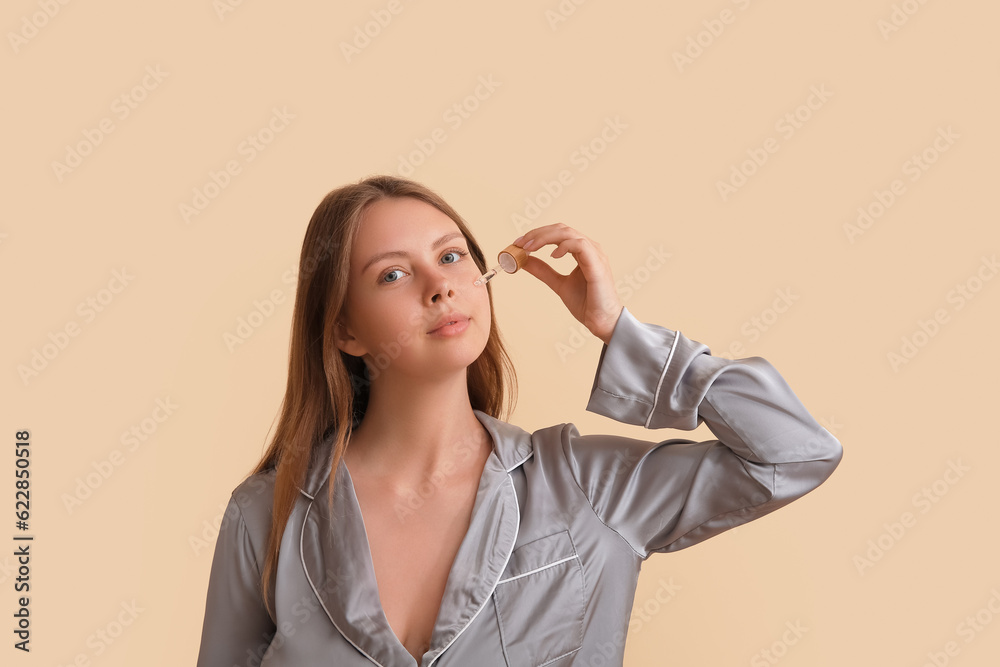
(510, 260)
(488, 276)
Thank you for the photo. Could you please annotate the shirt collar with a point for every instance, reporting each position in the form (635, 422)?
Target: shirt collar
(511, 444)
(337, 561)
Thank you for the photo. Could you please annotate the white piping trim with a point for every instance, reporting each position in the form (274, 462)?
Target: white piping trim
(666, 365)
(305, 571)
(529, 455)
(517, 528)
(539, 569)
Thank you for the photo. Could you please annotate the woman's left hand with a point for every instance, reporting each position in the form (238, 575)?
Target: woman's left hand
(589, 290)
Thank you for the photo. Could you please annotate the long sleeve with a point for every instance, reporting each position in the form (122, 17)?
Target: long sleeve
(668, 495)
(237, 627)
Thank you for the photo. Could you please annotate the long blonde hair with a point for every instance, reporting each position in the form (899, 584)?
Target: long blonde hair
(327, 388)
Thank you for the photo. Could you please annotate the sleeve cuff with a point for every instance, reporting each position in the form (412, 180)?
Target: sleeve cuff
(652, 376)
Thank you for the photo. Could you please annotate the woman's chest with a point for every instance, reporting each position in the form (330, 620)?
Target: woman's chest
(413, 539)
(515, 588)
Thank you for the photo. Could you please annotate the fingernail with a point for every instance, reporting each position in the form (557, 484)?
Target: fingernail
(518, 239)
(528, 244)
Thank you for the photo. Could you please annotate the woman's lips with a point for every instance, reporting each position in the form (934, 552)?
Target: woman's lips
(451, 329)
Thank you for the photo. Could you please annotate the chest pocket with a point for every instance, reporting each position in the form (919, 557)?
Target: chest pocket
(540, 602)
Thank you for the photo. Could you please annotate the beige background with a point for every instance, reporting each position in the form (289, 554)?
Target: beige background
(144, 536)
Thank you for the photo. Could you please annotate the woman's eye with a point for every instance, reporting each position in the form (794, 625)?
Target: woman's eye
(458, 255)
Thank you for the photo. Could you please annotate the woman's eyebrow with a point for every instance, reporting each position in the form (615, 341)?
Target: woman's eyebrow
(401, 253)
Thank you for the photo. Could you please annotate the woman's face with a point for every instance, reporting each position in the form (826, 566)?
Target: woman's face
(394, 301)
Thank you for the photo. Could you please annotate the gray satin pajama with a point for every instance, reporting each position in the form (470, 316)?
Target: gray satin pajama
(562, 522)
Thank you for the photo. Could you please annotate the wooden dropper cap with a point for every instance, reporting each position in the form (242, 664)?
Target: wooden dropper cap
(512, 258)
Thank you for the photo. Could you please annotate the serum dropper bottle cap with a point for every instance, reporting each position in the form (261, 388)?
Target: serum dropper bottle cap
(510, 260)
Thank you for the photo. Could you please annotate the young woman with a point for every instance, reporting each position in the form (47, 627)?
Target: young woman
(396, 519)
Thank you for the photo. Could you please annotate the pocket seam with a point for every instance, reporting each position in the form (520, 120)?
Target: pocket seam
(580, 594)
(538, 569)
(560, 657)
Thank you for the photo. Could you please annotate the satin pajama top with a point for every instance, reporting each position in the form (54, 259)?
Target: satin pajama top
(561, 524)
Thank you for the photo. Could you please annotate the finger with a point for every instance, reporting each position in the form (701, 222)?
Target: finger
(541, 270)
(542, 236)
(587, 254)
(573, 245)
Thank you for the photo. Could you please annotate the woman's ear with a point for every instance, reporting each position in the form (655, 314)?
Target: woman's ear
(346, 342)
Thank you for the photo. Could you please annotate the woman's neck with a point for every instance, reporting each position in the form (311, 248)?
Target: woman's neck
(408, 433)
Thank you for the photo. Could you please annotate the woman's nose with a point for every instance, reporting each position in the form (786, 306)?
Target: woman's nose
(445, 290)
(439, 284)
